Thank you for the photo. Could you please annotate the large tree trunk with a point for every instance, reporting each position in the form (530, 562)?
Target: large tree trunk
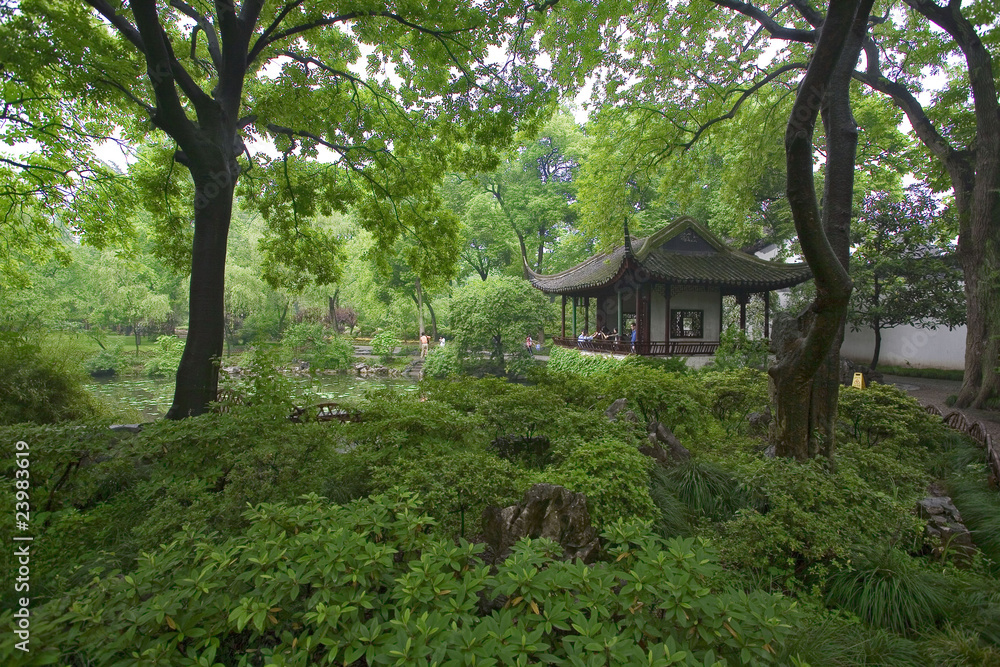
(805, 379)
(975, 178)
(198, 373)
(541, 248)
(979, 253)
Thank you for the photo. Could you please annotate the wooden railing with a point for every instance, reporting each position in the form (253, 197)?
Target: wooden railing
(650, 348)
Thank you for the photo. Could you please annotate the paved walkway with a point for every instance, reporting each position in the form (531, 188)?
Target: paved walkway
(934, 392)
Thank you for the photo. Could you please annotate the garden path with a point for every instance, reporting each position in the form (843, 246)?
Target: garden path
(934, 392)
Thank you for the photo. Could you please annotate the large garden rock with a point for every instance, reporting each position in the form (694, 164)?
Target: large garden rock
(618, 407)
(945, 530)
(664, 445)
(547, 511)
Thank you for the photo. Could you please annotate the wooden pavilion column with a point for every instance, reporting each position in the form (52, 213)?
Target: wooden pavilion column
(586, 314)
(574, 316)
(563, 315)
(621, 333)
(666, 329)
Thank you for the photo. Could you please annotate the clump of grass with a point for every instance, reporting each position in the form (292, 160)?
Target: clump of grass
(956, 647)
(951, 400)
(707, 489)
(888, 589)
(979, 506)
(674, 515)
(834, 641)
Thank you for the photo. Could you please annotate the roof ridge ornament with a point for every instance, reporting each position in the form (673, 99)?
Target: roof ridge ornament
(628, 241)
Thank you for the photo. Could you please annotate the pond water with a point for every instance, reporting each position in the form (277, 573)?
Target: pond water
(151, 397)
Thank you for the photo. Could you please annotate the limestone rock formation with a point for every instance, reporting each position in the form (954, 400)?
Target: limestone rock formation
(547, 511)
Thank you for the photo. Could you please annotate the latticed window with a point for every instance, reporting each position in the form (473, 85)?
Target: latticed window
(686, 323)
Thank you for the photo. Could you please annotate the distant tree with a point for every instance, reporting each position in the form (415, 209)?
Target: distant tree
(496, 314)
(535, 187)
(904, 266)
(202, 81)
(128, 295)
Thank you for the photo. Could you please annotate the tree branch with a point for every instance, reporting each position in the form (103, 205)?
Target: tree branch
(121, 24)
(905, 100)
(162, 68)
(211, 37)
(269, 35)
(774, 29)
(742, 98)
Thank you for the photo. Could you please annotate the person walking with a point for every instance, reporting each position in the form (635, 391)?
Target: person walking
(424, 343)
(633, 337)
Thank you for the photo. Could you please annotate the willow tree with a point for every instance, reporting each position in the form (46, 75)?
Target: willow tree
(366, 103)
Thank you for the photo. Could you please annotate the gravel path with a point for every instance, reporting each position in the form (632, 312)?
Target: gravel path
(934, 392)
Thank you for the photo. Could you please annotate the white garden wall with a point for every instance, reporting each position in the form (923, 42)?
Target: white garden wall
(909, 346)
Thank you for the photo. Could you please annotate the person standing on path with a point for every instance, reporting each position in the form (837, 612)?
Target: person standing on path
(424, 342)
(633, 337)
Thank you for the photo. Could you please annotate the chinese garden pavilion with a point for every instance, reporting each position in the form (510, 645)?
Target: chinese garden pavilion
(670, 285)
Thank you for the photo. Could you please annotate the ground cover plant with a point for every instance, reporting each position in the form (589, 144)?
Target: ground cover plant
(115, 510)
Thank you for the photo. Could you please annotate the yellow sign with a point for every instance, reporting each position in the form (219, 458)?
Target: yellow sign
(859, 381)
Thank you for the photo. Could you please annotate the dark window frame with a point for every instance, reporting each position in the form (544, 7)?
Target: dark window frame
(677, 317)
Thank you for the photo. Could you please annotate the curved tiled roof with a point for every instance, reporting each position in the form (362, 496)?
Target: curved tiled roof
(711, 262)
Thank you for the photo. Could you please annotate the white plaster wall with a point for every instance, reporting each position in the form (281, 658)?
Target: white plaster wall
(707, 301)
(909, 346)
(658, 314)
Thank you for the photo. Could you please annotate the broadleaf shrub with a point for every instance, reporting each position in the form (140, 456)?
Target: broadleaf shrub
(613, 475)
(384, 344)
(41, 388)
(322, 348)
(167, 357)
(442, 362)
(315, 584)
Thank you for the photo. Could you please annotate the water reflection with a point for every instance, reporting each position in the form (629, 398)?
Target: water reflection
(151, 397)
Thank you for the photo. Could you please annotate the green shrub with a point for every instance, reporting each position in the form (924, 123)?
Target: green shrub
(323, 348)
(442, 362)
(456, 484)
(737, 350)
(41, 388)
(384, 345)
(734, 394)
(814, 513)
(565, 360)
(671, 398)
(312, 584)
(166, 358)
(889, 589)
(613, 475)
(108, 362)
(883, 412)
